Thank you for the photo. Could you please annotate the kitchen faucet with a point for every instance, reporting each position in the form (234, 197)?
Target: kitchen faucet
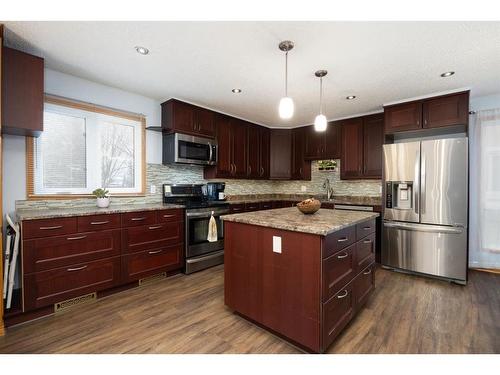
(328, 188)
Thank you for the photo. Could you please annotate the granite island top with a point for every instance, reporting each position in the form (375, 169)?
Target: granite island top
(51, 213)
(322, 223)
(361, 200)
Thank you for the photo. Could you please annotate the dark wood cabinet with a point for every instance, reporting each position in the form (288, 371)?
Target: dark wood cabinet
(322, 145)
(22, 93)
(239, 146)
(362, 140)
(181, 117)
(363, 285)
(337, 312)
(446, 111)
(373, 139)
(436, 112)
(301, 168)
(351, 165)
(265, 152)
(338, 269)
(253, 153)
(281, 154)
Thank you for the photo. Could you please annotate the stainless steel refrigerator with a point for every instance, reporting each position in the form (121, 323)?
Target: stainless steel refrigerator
(425, 207)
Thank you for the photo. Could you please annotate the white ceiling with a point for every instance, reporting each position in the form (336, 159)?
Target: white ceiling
(201, 62)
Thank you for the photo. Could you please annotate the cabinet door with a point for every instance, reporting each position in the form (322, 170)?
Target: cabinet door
(333, 142)
(239, 148)
(281, 154)
(204, 122)
(314, 144)
(22, 93)
(337, 270)
(223, 133)
(264, 152)
(183, 117)
(373, 138)
(403, 117)
(363, 285)
(253, 151)
(364, 252)
(337, 312)
(446, 111)
(301, 168)
(351, 164)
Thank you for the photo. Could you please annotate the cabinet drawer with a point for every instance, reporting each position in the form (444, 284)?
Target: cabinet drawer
(237, 208)
(337, 271)
(168, 216)
(98, 222)
(266, 205)
(48, 287)
(339, 240)
(149, 237)
(52, 252)
(363, 285)
(49, 227)
(252, 206)
(337, 312)
(364, 229)
(365, 252)
(150, 262)
(131, 219)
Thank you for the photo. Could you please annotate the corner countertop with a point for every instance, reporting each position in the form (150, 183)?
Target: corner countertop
(322, 223)
(51, 213)
(358, 200)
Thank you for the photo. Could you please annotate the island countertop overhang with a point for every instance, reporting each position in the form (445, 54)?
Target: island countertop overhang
(322, 223)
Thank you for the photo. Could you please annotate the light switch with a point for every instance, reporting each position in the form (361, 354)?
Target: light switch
(303, 188)
(152, 189)
(277, 244)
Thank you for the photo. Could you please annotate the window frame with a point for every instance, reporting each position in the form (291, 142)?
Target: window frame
(70, 103)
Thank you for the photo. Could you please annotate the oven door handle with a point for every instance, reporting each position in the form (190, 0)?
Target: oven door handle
(204, 214)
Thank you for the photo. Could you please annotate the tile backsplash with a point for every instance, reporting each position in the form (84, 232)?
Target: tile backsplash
(158, 174)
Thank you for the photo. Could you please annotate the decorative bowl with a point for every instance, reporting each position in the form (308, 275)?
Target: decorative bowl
(309, 206)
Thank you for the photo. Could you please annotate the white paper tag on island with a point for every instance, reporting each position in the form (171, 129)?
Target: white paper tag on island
(277, 244)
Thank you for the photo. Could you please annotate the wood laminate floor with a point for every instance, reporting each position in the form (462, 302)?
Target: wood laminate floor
(186, 314)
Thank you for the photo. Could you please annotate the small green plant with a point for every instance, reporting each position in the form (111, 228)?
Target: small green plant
(327, 165)
(100, 193)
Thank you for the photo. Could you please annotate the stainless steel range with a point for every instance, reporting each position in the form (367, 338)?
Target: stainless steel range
(199, 252)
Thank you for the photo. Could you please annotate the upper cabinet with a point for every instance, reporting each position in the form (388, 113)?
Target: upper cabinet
(322, 145)
(180, 117)
(301, 168)
(362, 139)
(281, 154)
(437, 112)
(22, 93)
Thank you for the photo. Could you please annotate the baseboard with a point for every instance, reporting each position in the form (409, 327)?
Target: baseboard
(491, 270)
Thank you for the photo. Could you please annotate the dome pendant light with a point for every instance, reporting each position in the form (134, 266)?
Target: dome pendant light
(286, 106)
(320, 120)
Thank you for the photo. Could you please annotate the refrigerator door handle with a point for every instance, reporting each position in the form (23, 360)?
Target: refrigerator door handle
(416, 189)
(425, 228)
(422, 184)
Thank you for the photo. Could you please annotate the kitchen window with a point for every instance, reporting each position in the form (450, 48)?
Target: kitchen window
(84, 147)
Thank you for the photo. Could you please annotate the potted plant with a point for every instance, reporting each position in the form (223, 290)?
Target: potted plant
(102, 196)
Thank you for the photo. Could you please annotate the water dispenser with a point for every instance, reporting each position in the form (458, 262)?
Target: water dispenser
(399, 195)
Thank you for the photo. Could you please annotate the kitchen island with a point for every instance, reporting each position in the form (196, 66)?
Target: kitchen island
(303, 277)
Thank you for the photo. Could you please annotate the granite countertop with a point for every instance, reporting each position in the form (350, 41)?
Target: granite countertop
(321, 223)
(50, 213)
(338, 199)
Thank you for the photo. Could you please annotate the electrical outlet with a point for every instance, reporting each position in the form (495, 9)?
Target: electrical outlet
(152, 189)
(277, 244)
(303, 188)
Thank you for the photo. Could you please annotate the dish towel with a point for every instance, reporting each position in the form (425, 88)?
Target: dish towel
(212, 229)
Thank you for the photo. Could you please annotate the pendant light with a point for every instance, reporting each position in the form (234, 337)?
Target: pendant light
(320, 120)
(286, 106)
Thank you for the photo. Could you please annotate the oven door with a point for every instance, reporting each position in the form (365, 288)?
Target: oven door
(195, 150)
(197, 230)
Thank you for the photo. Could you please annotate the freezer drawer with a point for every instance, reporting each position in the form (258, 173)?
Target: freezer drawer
(429, 249)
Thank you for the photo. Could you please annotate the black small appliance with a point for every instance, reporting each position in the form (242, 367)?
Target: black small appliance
(215, 191)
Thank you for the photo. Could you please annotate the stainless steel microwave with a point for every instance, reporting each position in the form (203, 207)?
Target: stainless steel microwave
(188, 149)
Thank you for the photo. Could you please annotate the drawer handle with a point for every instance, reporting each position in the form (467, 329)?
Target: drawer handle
(155, 252)
(99, 222)
(76, 238)
(367, 272)
(166, 216)
(367, 241)
(155, 227)
(51, 228)
(344, 255)
(367, 228)
(76, 269)
(138, 218)
(340, 296)
(343, 239)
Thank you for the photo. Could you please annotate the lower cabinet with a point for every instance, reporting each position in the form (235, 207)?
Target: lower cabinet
(363, 286)
(62, 259)
(59, 284)
(337, 312)
(151, 262)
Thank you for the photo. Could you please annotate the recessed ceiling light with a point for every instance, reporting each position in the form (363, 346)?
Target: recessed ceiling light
(447, 74)
(236, 91)
(141, 50)
(350, 97)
